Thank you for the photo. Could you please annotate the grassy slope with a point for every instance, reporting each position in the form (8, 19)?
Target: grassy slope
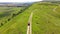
(45, 20)
(18, 25)
(6, 13)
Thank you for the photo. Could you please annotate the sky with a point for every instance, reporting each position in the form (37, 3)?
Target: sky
(19, 0)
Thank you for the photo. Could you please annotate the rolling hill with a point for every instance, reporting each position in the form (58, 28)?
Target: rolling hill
(45, 20)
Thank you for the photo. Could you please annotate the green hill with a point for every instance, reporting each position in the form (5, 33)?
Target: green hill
(46, 20)
(18, 24)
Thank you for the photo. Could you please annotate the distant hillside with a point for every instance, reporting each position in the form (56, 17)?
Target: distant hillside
(14, 4)
(51, 0)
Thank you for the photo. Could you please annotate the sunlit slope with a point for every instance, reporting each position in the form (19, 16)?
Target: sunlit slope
(46, 19)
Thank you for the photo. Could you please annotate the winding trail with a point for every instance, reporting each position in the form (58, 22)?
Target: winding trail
(29, 27)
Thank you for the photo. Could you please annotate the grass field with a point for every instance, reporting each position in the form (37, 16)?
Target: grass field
(7, 12)
(16, 25)
(46, 19)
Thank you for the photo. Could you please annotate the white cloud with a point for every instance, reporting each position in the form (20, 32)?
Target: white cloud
(19, 0)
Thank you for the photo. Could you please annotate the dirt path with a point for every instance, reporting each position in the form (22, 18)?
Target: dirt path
(29, 27)
(55, 8)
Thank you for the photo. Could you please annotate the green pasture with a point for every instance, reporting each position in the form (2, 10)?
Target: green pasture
(46, 19)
